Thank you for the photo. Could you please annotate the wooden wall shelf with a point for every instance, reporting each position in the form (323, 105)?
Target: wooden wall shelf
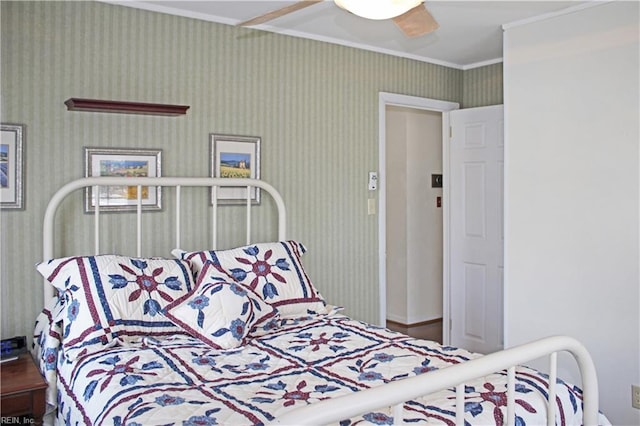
(95, 105)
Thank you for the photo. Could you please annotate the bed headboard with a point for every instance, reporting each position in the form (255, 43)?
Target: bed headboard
(165, 182)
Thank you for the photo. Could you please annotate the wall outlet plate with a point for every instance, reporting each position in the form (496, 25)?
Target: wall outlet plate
(635, 396)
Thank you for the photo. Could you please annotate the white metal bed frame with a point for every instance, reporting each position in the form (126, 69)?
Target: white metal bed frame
(177, 183)
(392, 394)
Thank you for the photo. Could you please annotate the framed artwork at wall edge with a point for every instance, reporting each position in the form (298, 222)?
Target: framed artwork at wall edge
(124, 162)
(235, 156)
(12, 166)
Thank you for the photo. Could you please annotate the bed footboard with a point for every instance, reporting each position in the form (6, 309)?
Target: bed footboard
(394, 394)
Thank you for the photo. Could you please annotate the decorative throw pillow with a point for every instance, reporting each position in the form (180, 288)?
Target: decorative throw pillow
(273, 270)
(221, 313)
(109, 296)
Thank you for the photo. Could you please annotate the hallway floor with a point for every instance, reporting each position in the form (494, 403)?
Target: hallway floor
(430, 330)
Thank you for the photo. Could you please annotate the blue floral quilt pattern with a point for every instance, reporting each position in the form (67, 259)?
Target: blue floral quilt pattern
(182, 381)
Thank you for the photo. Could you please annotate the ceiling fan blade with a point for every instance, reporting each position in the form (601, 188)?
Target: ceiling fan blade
(416, 22)
(278, 13)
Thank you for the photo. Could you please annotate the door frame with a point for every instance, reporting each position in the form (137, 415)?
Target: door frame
(385, 99)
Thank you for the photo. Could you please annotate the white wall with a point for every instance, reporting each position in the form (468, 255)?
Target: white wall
(414, 223)
(572, 172)
(424, 218)
(396, 178)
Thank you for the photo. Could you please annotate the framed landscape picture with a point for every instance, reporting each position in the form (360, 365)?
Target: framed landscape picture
(123, 162)
(235, 157)
(11, 166)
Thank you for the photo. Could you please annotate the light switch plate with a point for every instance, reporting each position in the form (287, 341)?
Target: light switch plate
(436, 181)
(371, 206)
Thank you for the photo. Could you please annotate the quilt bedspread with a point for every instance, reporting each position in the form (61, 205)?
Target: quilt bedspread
(181, 380)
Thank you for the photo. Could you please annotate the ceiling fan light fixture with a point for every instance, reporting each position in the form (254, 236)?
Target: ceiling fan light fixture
(378, 9)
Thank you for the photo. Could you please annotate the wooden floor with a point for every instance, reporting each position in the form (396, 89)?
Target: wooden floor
(429, 330)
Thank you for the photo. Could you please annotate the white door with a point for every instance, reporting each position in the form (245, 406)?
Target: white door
(476, 245)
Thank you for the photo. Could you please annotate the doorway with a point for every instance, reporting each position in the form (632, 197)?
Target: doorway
(414, 221)
(434, 109)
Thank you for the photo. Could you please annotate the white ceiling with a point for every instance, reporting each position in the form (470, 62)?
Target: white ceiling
(470, 32)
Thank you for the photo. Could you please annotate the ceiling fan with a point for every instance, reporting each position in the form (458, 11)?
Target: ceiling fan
(411, 16)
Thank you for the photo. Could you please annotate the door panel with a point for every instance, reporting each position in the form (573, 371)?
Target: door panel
(476, 228)
(475, 279)
(473, 192)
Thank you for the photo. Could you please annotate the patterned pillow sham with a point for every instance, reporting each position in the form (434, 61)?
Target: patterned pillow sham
(222, 312)
(273, 270)
(109, 297)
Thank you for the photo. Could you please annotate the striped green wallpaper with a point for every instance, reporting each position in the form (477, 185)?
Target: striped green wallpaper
(482, 86)
(314, 104)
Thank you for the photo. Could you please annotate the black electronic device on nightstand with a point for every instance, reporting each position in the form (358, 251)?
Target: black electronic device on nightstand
(12, 348)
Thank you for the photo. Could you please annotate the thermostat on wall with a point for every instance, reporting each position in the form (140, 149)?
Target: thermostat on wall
(373, 181)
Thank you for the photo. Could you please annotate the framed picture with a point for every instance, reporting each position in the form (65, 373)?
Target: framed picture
(235, 157)
(123, 162)
(11, 166)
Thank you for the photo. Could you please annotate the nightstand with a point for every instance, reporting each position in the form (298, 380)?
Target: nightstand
(23, 389)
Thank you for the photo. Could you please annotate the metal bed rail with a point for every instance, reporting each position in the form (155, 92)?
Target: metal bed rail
(396, 393)
(178, 183)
